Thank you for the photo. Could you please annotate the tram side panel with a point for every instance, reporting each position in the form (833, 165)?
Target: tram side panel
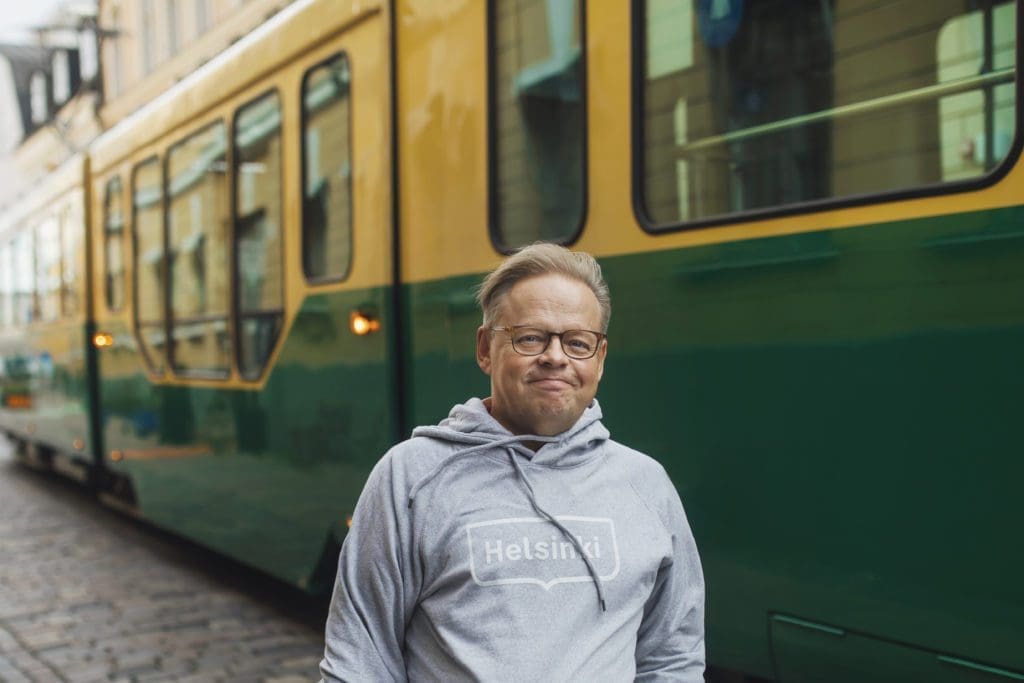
(832, 390)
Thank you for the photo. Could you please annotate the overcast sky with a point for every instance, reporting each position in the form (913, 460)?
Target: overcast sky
(18, 16)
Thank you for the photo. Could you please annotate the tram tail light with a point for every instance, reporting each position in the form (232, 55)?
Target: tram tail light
(23, 401)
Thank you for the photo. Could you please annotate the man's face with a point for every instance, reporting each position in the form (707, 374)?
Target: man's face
(544, 394)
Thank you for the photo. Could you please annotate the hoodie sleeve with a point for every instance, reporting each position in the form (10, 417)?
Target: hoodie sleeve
(670, 642)
(376, 587)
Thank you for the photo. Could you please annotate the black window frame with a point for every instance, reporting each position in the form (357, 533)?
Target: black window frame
(638, 21)
(201, 373)
(157, 371)
(107, 233)
(303, 119)
(236, 312)
(493, 222)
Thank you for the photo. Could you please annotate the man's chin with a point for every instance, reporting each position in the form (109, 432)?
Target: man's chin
(551, 422)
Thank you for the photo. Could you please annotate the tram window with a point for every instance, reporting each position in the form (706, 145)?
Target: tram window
(757, 105)
(197, 223)
(537, 121)
(327, 169)
(48, 275)
(148, 262)
(258, 250)
(72, 230)
(26, 308)
(6, 286)
(113, 245)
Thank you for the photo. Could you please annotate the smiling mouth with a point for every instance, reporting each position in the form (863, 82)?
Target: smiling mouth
(551, 383)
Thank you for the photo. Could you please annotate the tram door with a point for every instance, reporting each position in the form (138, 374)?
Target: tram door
(335, 385)
(247, 375)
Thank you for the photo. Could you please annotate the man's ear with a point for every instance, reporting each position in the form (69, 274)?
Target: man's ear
(483, 349)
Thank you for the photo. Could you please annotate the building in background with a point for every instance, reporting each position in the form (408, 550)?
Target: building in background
(95, 62)
(49, 92)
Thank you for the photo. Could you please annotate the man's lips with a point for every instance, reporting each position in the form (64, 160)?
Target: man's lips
(551, 382)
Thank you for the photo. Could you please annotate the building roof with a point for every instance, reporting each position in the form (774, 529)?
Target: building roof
(25, 60)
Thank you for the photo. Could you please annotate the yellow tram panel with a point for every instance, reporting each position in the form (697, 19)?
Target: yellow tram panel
(442, 121)
(443, 160)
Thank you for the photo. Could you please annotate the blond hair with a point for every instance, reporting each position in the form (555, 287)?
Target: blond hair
(542, 258)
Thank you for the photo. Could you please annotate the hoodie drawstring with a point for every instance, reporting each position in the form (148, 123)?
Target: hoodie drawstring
(458, 455)
(507, 442)
(561, 527)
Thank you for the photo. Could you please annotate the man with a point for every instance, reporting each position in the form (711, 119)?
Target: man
(515, 541)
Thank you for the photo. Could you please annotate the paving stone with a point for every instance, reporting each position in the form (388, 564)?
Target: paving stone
(87, 674)
(87, 596)
(9, 673)
(209, 677)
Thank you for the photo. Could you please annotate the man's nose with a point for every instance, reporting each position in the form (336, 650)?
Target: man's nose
(554, 354)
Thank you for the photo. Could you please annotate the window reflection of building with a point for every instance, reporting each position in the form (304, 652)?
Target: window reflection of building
(774, 103)
(538, 121)
(198, 232)
(259, 276)
(149, 261)
(327, 208)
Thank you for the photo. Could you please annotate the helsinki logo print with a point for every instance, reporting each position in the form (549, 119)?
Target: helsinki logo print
(531, 550)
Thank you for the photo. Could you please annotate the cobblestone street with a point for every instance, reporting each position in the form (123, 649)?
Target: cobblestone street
(89, 595)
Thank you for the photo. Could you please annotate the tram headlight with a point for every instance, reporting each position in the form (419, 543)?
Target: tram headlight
(102, 340)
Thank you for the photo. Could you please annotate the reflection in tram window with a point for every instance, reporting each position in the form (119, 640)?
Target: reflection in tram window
(327, 192)
(149, 262)
(197, 223)
(72, 235)
(24, 298)
(537, 123)
(258, 253)
(756, 105)
(48, 268)
(113, 248)
(6, 286)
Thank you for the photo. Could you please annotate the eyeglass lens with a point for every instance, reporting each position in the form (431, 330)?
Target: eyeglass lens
(530, 341)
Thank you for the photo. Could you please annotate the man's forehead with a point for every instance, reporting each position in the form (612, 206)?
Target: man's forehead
(548, 297)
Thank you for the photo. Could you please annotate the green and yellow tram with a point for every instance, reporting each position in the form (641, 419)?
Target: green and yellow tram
(810, 214)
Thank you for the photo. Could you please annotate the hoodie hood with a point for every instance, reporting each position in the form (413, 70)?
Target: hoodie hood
(471, 424)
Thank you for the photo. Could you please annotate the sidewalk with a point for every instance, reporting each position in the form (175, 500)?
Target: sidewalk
(87, 595)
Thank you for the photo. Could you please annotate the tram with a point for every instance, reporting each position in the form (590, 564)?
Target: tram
(810, 215)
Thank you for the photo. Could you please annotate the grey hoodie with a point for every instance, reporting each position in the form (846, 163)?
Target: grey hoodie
(471, 557)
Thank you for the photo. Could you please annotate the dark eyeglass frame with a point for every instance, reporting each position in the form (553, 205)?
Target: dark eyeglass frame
(510, 329)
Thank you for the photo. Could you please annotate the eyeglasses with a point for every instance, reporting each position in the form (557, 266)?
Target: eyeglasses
(532, 341)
